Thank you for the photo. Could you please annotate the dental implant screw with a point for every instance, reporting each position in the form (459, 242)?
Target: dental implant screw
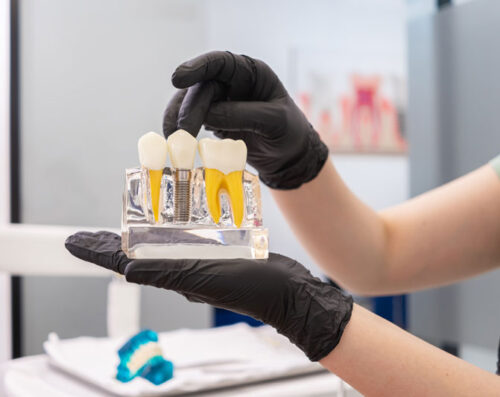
(182, 195)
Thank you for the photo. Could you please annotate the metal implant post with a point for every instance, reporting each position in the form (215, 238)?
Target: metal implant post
(182, 195)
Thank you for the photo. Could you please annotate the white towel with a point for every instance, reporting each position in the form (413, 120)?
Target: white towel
(203, 359)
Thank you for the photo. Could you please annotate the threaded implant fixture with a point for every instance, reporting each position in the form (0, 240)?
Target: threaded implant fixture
(182, 195)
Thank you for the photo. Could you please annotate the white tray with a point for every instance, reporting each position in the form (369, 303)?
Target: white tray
(203, 360)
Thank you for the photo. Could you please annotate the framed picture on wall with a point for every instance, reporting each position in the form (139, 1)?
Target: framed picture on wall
(355, 100)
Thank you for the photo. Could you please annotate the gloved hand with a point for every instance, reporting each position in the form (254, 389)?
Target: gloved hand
(240, 97)
(278, 291)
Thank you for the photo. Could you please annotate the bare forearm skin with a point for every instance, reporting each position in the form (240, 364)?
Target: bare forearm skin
(445, 235)
(345, 237)
(379, 359)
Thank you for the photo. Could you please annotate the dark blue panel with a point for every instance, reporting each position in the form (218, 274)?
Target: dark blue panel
(392, 308)
(226, 317)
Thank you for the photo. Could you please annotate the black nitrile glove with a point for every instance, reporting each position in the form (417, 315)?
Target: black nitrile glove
(240, 97)
(278, 291)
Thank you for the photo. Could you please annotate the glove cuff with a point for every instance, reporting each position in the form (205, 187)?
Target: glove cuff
(303, 170)
(318, 330)
(325, 339)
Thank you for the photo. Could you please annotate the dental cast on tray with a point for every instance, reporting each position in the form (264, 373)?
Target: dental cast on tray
(224, 162)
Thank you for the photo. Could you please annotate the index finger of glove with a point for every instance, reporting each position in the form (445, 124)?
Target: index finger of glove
(195, 105)
(258, 117)
(101, 248)
(172, 112)
(215, 65)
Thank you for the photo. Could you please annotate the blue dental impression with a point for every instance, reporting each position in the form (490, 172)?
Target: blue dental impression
(142, 356)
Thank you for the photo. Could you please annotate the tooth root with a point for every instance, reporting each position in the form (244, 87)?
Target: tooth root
(234, 186)
(213, 181)
(155, 185)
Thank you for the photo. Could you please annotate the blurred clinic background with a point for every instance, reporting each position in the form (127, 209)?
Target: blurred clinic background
(405, 93)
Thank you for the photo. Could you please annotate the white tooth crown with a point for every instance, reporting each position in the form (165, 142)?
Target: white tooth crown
(152, 151)
(226, 155)
(182, 149)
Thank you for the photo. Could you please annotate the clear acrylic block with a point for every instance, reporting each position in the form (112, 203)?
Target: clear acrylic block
(200, 237)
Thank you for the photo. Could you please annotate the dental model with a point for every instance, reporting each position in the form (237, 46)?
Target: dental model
(224, 162)
(153, 156)
(142, 356)
(213, 211)
(182, 150)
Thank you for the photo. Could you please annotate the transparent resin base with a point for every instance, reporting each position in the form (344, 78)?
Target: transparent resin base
(200, 237)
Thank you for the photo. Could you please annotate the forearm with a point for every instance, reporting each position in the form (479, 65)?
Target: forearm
(378, 359)
(445, 235)
(345, 237)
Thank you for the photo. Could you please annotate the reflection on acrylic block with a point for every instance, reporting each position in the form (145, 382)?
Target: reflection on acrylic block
(205, 234)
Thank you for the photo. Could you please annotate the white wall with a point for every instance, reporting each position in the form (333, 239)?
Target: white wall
(94, 76)
(5, 342)
(117, 83)
(269, 30)
(420, 8)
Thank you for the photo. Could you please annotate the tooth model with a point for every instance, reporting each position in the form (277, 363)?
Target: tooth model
(224, 162)
(182, 150)
(153, 156)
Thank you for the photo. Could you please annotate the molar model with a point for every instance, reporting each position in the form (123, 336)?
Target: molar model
(224, 162)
